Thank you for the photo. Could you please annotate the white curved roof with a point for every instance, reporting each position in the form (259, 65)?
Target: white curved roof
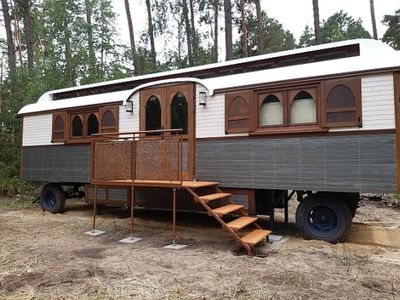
(373, 55)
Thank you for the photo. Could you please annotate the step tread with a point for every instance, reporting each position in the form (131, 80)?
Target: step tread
(255, 236)
(216, 196)
(199, 184)
(241, 222)
(226, 209)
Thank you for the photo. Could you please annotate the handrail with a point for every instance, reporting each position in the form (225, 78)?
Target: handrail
(138, 132)
(170, 153)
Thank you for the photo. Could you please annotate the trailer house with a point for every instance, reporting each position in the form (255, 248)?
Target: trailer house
(238, 137)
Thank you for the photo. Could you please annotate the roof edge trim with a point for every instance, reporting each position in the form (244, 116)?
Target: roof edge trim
(210, 89)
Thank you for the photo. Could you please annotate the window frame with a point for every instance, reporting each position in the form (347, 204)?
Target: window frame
(71, 118)
(109, 128)
(84, 115)
(354, 85)
(248, 96)
(171, 97)
(314, 91)
(86, 119)
(64, 132)
(282, 98)
(288, 93)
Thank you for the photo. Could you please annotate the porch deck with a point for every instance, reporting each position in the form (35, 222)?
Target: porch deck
(154, 183)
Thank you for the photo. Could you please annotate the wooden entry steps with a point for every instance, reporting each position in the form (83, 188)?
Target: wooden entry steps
(247, 240)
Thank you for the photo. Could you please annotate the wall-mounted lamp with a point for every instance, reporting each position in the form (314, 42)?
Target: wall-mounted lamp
(202, 98)
(129, 106)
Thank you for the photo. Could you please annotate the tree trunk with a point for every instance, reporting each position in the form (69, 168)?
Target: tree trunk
(151, 32)
(1, 83)
(188, 32)
(228, 29)
(28, 30)
(244, 29)
(70, 78)
(92, 56)
(17, 33)
(317, 28)
(260, 29)
(192, 29)
(216, 9)
(132, 38)
(12, 64)
(372, 6)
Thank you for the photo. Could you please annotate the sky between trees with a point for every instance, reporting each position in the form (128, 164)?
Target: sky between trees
(277, 9)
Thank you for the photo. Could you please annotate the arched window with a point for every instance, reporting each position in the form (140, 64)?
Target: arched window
(342, 102)
(58, 132)
(58, 124)
(271, 112)
(77, 128)
(303, 109)
(92, 125)
(179, 113)
(237, 111)
(108, 119)
(153, 114)
(340, 97)
(238, 107)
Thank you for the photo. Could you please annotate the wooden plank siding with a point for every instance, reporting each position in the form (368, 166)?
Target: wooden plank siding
(129, 122)
(37, 130)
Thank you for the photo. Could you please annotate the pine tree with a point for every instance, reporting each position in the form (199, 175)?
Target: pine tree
(392, 34)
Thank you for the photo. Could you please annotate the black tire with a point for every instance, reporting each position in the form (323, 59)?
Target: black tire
(353, 209)
(325, 218)
(52, 198)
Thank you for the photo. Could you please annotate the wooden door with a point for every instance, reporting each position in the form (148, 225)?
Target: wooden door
(172, 107)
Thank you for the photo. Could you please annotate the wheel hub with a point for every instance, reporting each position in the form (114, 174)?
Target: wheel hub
(322, 220)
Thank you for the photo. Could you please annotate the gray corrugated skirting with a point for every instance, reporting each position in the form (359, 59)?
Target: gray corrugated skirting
(56, 163)
(364, 163)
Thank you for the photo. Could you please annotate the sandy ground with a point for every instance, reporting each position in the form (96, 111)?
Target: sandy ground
(44, 256)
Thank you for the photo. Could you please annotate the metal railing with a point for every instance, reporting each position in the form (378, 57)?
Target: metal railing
(137, 156)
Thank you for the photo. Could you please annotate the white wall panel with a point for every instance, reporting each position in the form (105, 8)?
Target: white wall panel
(377, 103)
(210, 119)
(129, 122)
(37, 130)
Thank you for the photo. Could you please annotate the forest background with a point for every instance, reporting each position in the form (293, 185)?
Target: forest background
(52, 44)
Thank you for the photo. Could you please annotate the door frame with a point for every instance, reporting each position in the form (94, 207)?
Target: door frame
(165, 95)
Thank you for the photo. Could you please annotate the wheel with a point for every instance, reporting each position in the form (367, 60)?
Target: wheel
(353, 209)
(52, 198)
(322, 217)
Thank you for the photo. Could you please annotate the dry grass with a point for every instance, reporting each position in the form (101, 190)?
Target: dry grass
(45, 256)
